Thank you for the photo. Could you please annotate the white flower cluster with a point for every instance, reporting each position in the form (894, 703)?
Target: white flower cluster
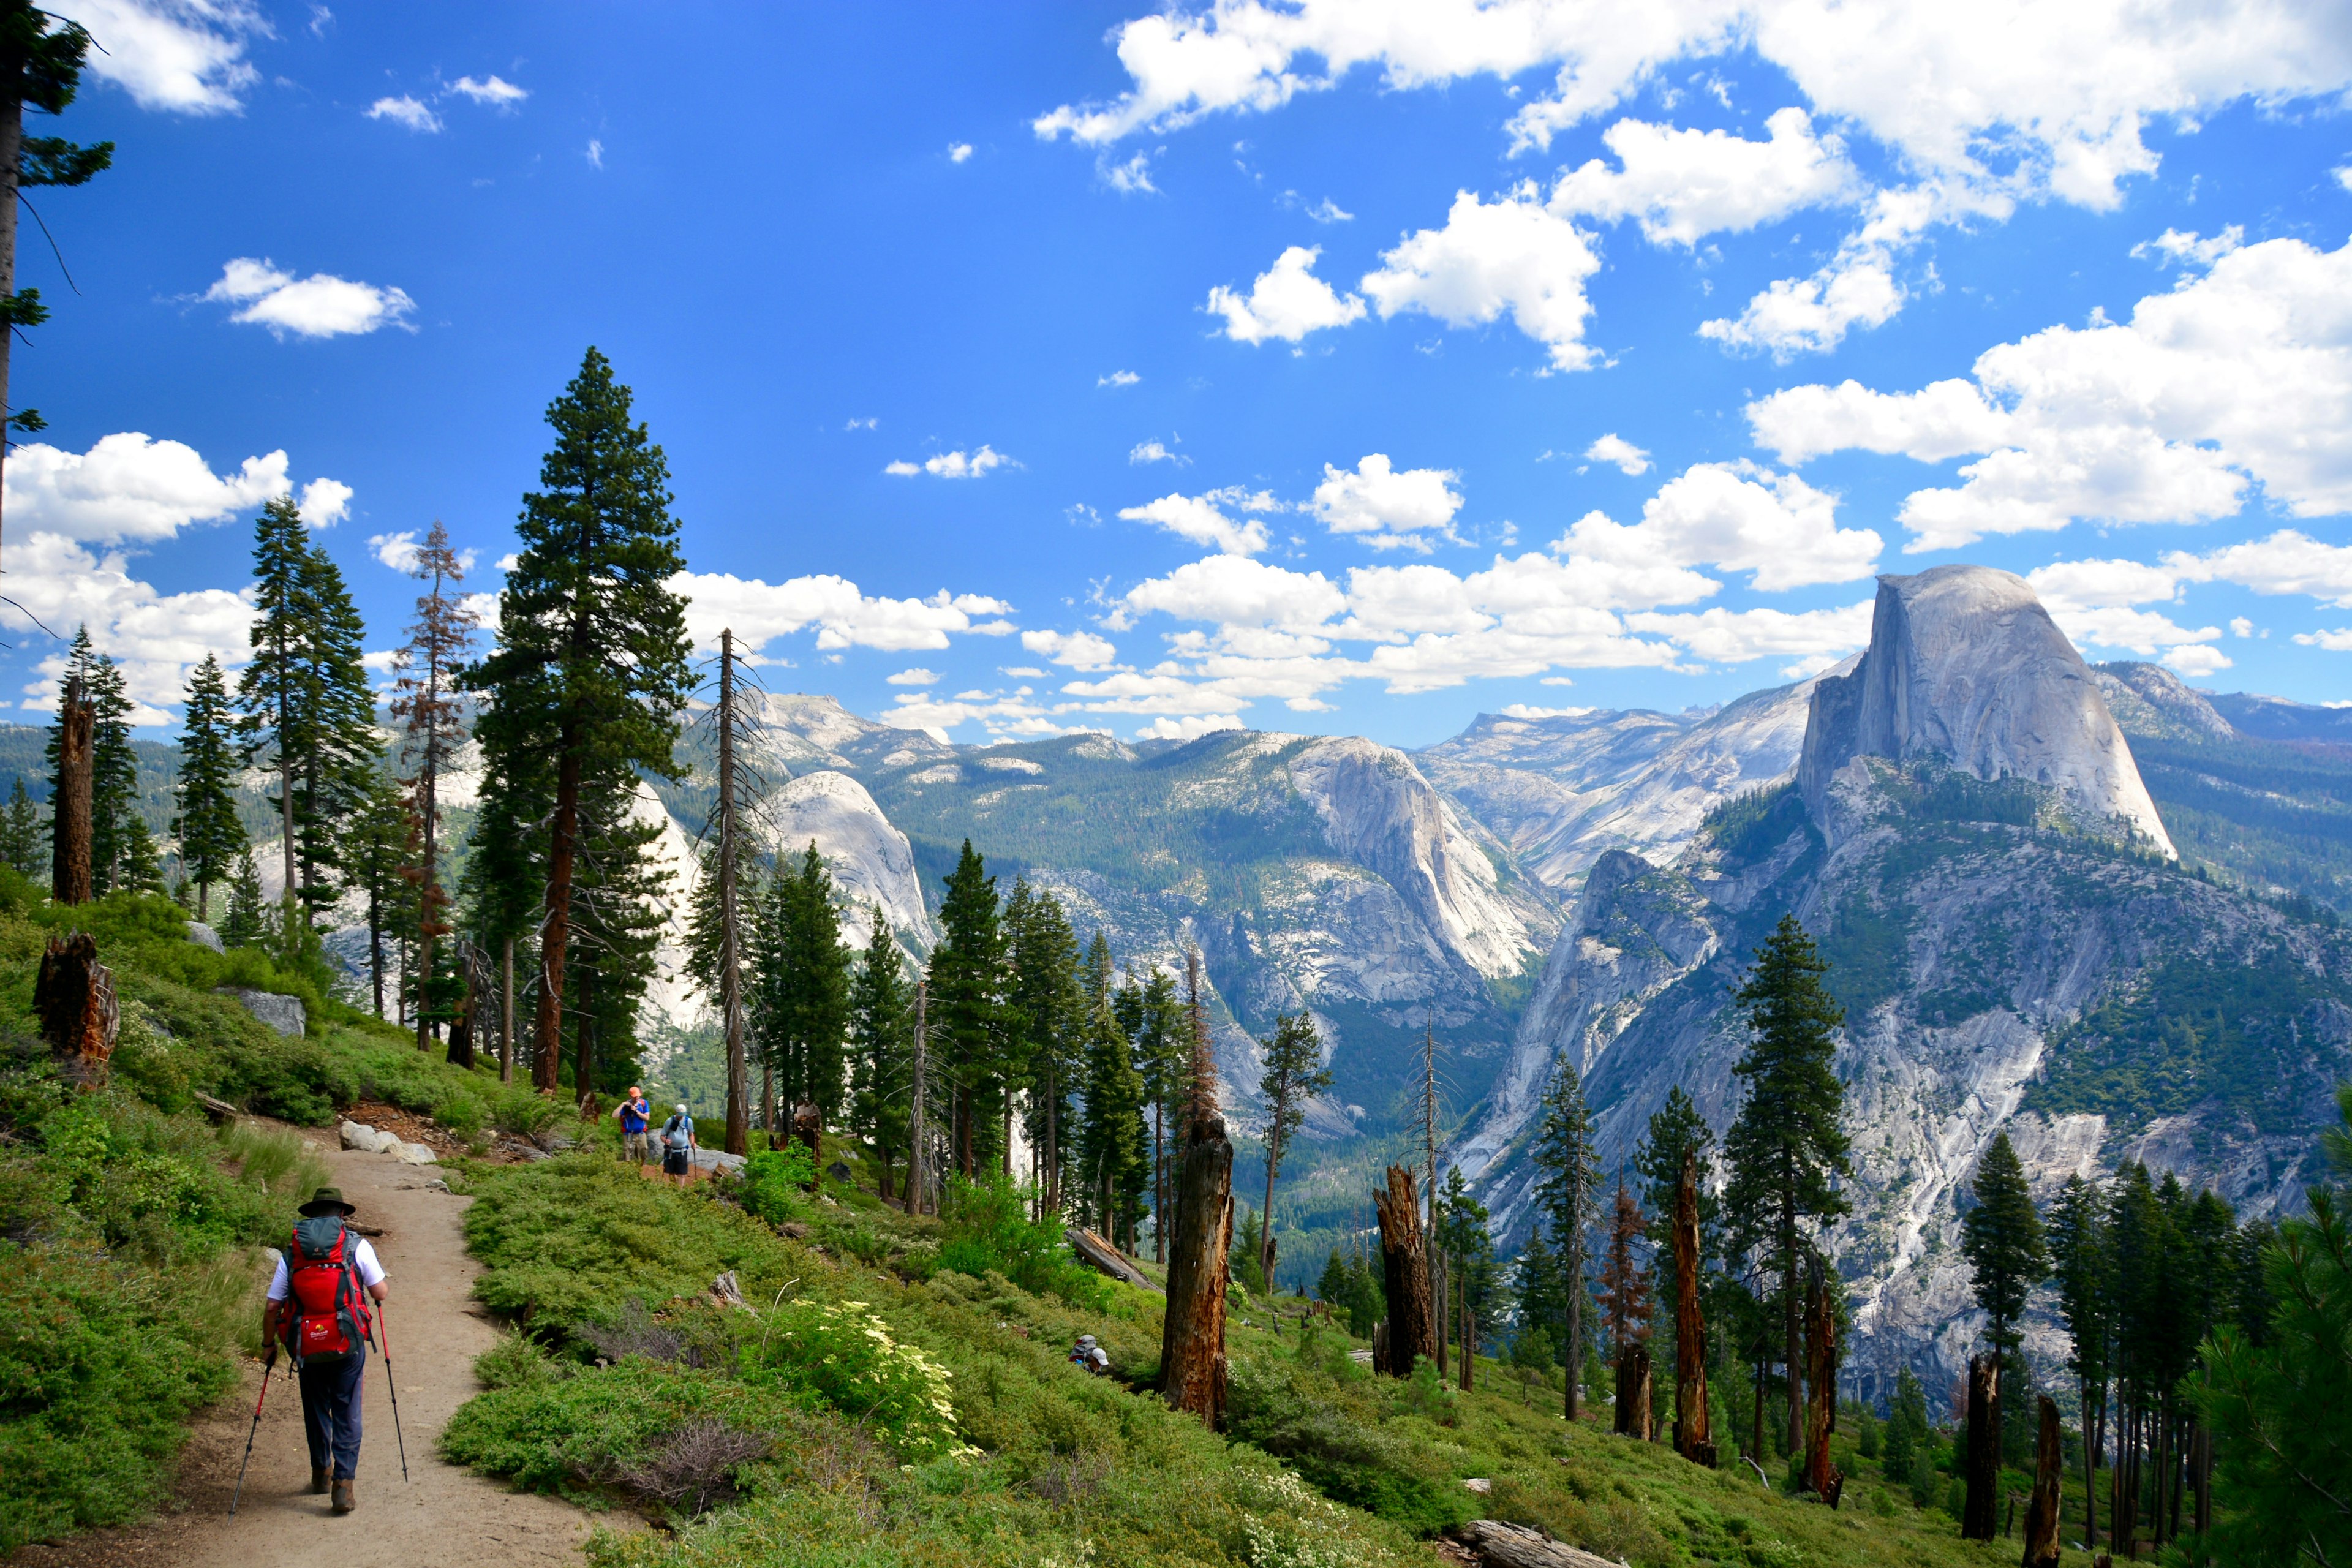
(1312, 1536)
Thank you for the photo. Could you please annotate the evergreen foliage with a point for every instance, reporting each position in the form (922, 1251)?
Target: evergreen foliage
(968, 1020)
(1050, 1016)
(22, 829)
(881, 1049)
(1295, 1075)
(1115, 1143)
(2000, 1236)
(799, 996)
(1567, 1199)
(207, 824)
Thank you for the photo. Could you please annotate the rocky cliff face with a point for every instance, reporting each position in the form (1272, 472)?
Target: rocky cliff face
(870, 860)
(2149, 700)
(2003, 965)
(1562, 791)
(1967, 667)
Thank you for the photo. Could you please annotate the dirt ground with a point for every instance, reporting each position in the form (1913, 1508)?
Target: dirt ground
(442, 1513)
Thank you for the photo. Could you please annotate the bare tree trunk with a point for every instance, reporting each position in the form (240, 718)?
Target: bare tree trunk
(1404, 1262)
(1631, 1410)
(73, 996)
(69, 823)
(730, 964)
(1159, 1184)
(2049, 1470)
(584, 1045)
(1469, 1322)
(1192, 1339)
(918, 1151)
(1983, 1453)
(1822, 1478)
(12, 144)
(506, 1012)
(555, 931)
(1694, 1440)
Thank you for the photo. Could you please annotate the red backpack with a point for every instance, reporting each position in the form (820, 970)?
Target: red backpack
(331, 1309)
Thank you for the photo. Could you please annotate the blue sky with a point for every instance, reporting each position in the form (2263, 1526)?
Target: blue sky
(1352, 368)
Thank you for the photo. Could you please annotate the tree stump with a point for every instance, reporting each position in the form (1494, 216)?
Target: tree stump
(1633, 1404)
(74, 998)
(808, 1125)
(1413, 1325)
(1977, 1519)
(2041, 1513)
(1192, 1341)
(1821, 1476)
(70, 822)
(1693, 1440)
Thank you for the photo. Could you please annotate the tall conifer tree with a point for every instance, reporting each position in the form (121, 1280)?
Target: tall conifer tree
(881, 1048)
(1567, 1199)
(801, 990)
(1049, 1010)
(1787, 1147)
(2002, 1238)
(1295, 1075)
(968, 1015)
(426, 704)
(21, 832)
(589, 670)
(211, 834)
(1113, 1151)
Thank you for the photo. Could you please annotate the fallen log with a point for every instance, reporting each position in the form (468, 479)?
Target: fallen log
(1101, 1256)
(1499, 1545)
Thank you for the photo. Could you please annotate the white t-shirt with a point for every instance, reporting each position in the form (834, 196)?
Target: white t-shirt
(363, 1258)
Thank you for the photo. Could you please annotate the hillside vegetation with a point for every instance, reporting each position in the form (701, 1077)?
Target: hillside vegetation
(129, 1225)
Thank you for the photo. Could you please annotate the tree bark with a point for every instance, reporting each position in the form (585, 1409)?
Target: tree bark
(69, 825)
(74, 998)
(1499, 1545)
(1983, 1453)
(1821, 1476)
(1099, 1255)
(730, 961)
(1193, 1342)
(555, 931)
(1404, 1262)
(918, 1132)
(506, 1012)
(1632, 1413)
(2041, 1513)
(1468, 1322)
(1694, 1440)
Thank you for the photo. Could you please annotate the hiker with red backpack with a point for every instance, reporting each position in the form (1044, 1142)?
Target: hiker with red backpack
(321, 1306)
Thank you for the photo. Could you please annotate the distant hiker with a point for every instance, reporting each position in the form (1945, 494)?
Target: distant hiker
(636, 1116)
(679, 1146)
(319, 1306)
(1090, 1356)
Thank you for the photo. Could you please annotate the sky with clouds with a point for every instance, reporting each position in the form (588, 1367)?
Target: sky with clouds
(1342, 367)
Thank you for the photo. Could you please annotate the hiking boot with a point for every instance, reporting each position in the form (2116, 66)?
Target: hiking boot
(344, 1502)
(318, 1483)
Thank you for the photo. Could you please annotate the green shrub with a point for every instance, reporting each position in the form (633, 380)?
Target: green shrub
(1341, 1445)
(988, 1228)
(776, 1184)
(844, 1355)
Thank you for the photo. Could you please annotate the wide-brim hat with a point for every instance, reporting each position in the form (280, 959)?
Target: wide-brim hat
(326, 1200)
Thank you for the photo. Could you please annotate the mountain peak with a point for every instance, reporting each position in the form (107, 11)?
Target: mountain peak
(1965, 665)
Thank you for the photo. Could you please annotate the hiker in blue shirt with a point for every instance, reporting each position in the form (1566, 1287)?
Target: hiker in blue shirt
(636, 1116)
(677, 1147)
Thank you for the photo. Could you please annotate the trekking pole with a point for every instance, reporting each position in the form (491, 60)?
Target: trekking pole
(267, 1368)
(383, 1326)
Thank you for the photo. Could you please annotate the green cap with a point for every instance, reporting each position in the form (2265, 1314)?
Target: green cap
(324, 1199)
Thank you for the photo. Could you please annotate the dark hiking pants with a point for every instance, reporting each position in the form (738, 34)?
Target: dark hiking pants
(330, 1413)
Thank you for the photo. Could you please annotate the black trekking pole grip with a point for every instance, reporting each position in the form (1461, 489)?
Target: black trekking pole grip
(267, 1368)
(383, 1327)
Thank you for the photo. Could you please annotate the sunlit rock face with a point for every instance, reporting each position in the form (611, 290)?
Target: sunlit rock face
(1966, 667)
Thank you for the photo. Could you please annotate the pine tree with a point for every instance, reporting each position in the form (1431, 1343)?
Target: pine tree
(968, 1015)
(138, 868)
(304, 700)
(1113, 1143)
(881, 1048)
(1163, 1054)
(801, 994)
(116, 831)
(2079, 1254)
(211, 834)
(2002, 1238)
(43, 55)
(504, 877)
(376, 856)
(619, 903)
(1565, 1198)
(21, 831)
(243, 926)
(589, 670)
(1787, 1147)
(1049, 1015)
(1676, 1129)
(1471, 1274)
(1625, 1283)
(425, 703)
(1295, 1075)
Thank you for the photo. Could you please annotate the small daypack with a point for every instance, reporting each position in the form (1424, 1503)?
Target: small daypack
(331, 1309)
(677, 1134)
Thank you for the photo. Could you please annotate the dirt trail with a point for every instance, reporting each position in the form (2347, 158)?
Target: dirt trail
(443, 1512)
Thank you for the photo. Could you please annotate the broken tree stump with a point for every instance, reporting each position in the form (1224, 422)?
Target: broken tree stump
(2041, 1513)
(1977, 1518)
(1413, 1324)
(1102, 1257)
(1693, 1440)
(1192, 1341)
(1631, 1411)
(74, 998)
(70, 803)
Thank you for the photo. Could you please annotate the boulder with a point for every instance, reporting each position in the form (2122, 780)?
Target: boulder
(715, 1160)
(204, 935)
(359, 1135)
(283, 1014)
(412, 1153)
(551, 1140)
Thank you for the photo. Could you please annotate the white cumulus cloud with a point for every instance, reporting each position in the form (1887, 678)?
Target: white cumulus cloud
(129, 488)
(1510, 257)
(319, 305)
(1740, 518)
(1620, 454)
(845, 618)
(914, 675)
(1155, 451)
(187, 58)
(1079, 650)
(1682, 184)
(954, 465)
(1201, 519)
(412, 113)
(1386, 507)
(494, 91)
(1286, 301)
(959, 152)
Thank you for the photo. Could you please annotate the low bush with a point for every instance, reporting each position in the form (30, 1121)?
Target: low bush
(987, 1228)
